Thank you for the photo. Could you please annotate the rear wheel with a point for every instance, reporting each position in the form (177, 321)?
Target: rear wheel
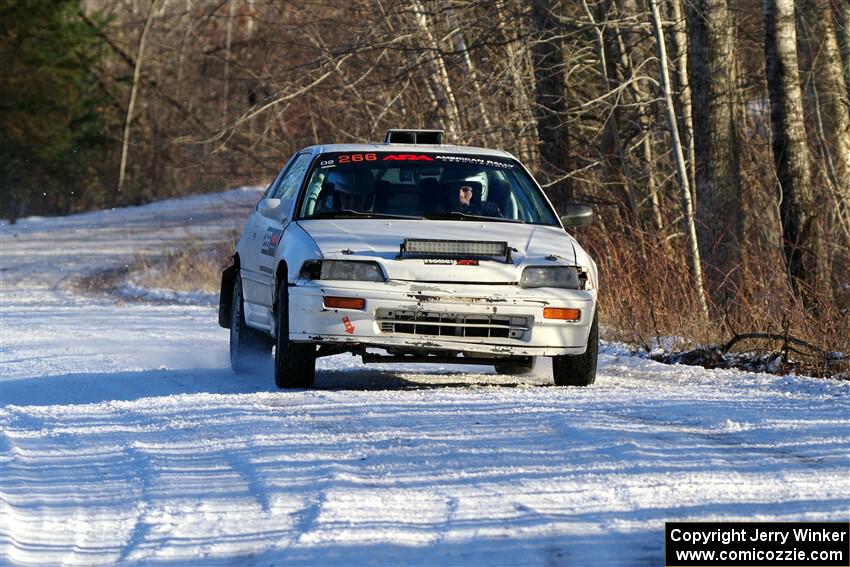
(294, 363)
(579, 370)
(249, 348)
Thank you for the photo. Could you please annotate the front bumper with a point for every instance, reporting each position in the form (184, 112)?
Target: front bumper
(472, 309)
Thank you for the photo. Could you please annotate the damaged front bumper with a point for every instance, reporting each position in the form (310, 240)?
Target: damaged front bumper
(495, 320)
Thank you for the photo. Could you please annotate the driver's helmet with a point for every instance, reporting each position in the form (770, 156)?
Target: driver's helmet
(353, 189)
(457, 174)
(351, 181)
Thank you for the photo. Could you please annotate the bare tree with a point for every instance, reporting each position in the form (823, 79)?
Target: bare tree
(618, 168)
(134, 89)
(711, 61)
(682, 83)
(231, 6)
(629, 37)
(443, 87)
(517, 60)
(801, 232)
(832, 107)
(679, 157)
(842, 12)
(550, 95)
(459, 42)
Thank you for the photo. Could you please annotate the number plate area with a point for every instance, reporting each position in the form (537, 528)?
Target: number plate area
(431, 323)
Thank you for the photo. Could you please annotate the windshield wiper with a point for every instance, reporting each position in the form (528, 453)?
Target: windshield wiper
(348, 213)
(449, 215)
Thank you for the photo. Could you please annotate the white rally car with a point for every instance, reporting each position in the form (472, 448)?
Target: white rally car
(410, 251)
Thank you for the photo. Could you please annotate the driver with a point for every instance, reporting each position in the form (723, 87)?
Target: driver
(464, 196)
(352, 190)
(461, 199)
(464, 190)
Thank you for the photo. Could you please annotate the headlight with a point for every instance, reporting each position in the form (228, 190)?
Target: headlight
(342, 270)
(552, 276)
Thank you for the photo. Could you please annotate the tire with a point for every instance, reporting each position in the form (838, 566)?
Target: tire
(294, 363)
(514, 368)
(579, 370)
(249, 348)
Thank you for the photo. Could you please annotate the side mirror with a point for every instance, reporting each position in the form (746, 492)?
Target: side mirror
(577, 215)
(275, 209)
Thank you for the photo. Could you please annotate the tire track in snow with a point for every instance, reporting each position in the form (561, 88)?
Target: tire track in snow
(248, 471)
(11, 517)
(308, 515)
(139, 461)
(452, 507)
(305, 520)
(734, 442)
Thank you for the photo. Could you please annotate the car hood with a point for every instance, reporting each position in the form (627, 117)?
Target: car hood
(380, 240)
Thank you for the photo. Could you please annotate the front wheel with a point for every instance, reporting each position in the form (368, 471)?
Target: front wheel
(579, 370)
(294, 363)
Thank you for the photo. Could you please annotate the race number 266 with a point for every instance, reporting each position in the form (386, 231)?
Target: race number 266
(356, 157)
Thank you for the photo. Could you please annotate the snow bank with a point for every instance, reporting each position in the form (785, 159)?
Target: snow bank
(131, 291)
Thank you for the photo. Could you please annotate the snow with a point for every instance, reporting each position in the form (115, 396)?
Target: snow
(126, 439)
(131, 290)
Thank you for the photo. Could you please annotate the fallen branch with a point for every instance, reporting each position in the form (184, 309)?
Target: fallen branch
(806, 358)
(770, 337)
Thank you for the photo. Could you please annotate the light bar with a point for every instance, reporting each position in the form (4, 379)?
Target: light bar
(426, 248)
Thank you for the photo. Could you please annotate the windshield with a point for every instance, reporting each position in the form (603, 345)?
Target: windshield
(422, 185)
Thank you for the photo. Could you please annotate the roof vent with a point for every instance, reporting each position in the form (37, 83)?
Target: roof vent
(395, 136)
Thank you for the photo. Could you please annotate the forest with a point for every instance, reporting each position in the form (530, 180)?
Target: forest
(711, 136)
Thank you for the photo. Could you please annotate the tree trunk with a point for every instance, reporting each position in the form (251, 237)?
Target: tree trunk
(443, 90)
(617, 168)
(843, 13)
(683, 87)
(629, 42)
(550, 95)
(712, 76)
(517, 57)
(227, 42)
(802, 241)
(679, 158)
(478, 92)
(134, 89)
(833, 111)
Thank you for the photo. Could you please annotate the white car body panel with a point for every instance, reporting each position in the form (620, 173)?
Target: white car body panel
(310, 321)
(379, 239)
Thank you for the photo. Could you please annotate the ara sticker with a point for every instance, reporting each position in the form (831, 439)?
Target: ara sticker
(407, 157)
(270, 241)
(349, 328)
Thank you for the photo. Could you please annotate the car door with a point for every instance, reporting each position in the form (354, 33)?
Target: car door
(249, 245)
(270, 232)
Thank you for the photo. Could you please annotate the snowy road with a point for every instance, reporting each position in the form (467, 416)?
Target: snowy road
(127, 440)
